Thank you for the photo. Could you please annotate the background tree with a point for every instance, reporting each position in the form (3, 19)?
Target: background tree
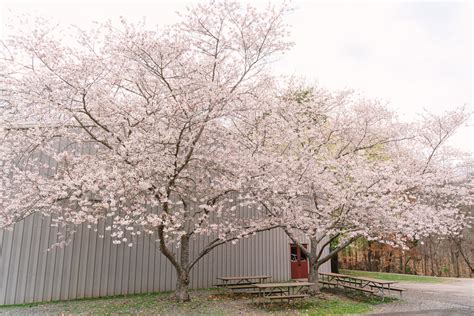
(343, 168)
(436, 255)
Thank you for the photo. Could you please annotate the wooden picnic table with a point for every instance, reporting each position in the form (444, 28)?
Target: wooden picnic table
(243, 279)
(287, 290)
(358, 283)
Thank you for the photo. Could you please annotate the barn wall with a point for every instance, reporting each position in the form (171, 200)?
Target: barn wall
(92, 267)
(89, 266)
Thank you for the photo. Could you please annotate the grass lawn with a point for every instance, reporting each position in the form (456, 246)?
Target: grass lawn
(393, 276)
(209, 302)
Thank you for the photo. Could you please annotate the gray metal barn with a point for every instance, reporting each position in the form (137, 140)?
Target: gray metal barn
(92, 267)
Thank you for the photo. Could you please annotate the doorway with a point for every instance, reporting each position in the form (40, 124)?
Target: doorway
(298, 262)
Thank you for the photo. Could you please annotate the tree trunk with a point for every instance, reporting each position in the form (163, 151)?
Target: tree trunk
(404, 263)
(400, 262)
(182, 287)
(414, 265)
(313, 276)
(454, 262)
(388, 267)
(369, 256)
(181, 266)
(182, 283)
(356, 261)
(351, 256)
(431, 260)
(334, 264)
(425, 264)
(437, 267)
(466, 259)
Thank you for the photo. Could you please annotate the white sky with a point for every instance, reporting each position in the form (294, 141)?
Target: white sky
(415, 55)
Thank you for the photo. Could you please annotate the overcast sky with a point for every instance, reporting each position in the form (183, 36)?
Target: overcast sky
(414, 55)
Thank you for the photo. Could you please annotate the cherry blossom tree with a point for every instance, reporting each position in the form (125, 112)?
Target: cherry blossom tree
(344, 167)
(141, 127)
(167, 132)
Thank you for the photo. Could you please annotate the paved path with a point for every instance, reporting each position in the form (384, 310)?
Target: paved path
(452, 297)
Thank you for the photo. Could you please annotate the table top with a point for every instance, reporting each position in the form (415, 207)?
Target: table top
(336, 275)
(287, 284)
(374, 280)
(244, 277)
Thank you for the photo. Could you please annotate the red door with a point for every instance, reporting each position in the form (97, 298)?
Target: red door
(298, 262)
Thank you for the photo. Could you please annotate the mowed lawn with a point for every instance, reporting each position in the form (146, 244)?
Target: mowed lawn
(219, 302)
(393, 276)
(204, 302)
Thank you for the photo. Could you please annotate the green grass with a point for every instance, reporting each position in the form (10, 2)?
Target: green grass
(328, 303)
(318, 306)
(124, 304)
(394, 276)
(79, 300)
(209, 302)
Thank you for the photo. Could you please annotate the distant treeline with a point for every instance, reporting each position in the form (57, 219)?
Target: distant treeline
(450, 257)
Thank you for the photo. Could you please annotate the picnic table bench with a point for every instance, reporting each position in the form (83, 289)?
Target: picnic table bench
(283, 291)
(381, 285)
(367, 285)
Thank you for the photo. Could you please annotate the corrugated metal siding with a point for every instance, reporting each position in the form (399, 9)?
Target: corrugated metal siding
(91, 266)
